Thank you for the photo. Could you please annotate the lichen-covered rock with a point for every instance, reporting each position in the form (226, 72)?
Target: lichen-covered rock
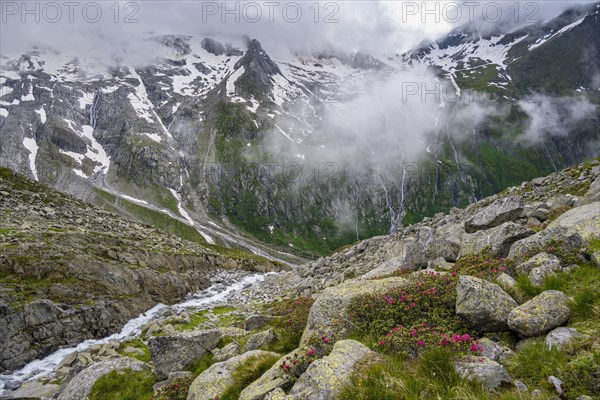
(584, 220)
(500, 211)
(483, 370)
(534, 244)
(440, 264)
(546, 311)
(562, 336)
(227, 352)
(506, 281)
(539, 260)
(274, 378)
(494, 351)
(176, 352)
(483, 304)
(213, 382)
(325, 378)
(260, 339)
(538, 275)
(34, 390)
(499, 239)
(81, 385)
(389, 267)
(417, 248)
(329, 314)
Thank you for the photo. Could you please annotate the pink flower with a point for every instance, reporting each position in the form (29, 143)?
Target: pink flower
(326, 340)
(421, 343)
(310, 352)
(466, 337)
(381, 343)
(413, 333)
(474, 347)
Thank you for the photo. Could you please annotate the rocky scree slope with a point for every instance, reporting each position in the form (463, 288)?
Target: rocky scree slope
(70, 271)
(543, 228)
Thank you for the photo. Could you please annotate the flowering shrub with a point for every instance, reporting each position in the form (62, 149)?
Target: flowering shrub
(316, 347)
(484, 265)
(176, 390)
(412, 340)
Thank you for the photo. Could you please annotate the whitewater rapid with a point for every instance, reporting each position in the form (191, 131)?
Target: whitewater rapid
(214, 294)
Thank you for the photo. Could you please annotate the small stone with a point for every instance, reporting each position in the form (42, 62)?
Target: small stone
(558, 384)
(562, 336)
(255, 322)
(536, 393)
(521, 387)
(260, 339)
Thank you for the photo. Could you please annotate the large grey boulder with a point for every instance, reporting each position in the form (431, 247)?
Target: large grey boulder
(483, 304)
(544, 312)
(499, 239)
(416, 249)
(584, 220)
(539, 260)
(483, 370)
(325, 378)
(329, 313)
(274, 378)
(562, 336)
(534, 244)
(255, 322)
(213, 382)
(81, 385)
(500, 211)
(176, 352)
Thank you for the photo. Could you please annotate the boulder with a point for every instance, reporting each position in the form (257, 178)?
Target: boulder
(329, 315)
(274, 378)
(562, 336)
(176, 352)
(255, 322)
(544, 312)
(483, 370)
(260, 339)
(494, 351)
(539, 260)
(596, 258)
(227, 352)
(213, 382)
(506, 281)
(386, 268)
(584, 220)
(81, 385)
(440, 264)
(499, 239)
(538, 275)
(534, 244)
(497, 213)
(277, 394)
(483, 304)
(416, 249)
(325, 377)
(34, 390)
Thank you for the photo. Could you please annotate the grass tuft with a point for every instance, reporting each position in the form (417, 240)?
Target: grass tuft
(124, 385)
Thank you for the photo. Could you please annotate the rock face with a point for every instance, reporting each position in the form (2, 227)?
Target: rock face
(499, 239)
(584, 220)
(176, 352)
(325, 377)
(500, 211)
(329, 314)
(546, 311)
(389, 267)
(483, 304)
(213, 382)
(81, 385)
(525, 248)
(483, 370)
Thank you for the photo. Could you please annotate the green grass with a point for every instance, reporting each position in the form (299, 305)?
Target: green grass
(124, 385)
(248, 372)
(578, 366)
(432, 377)
(290, 323)
(196, 319)
(138, 344)
(201, 364)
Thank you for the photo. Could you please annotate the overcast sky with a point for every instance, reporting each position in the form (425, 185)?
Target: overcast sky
(105, 28)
